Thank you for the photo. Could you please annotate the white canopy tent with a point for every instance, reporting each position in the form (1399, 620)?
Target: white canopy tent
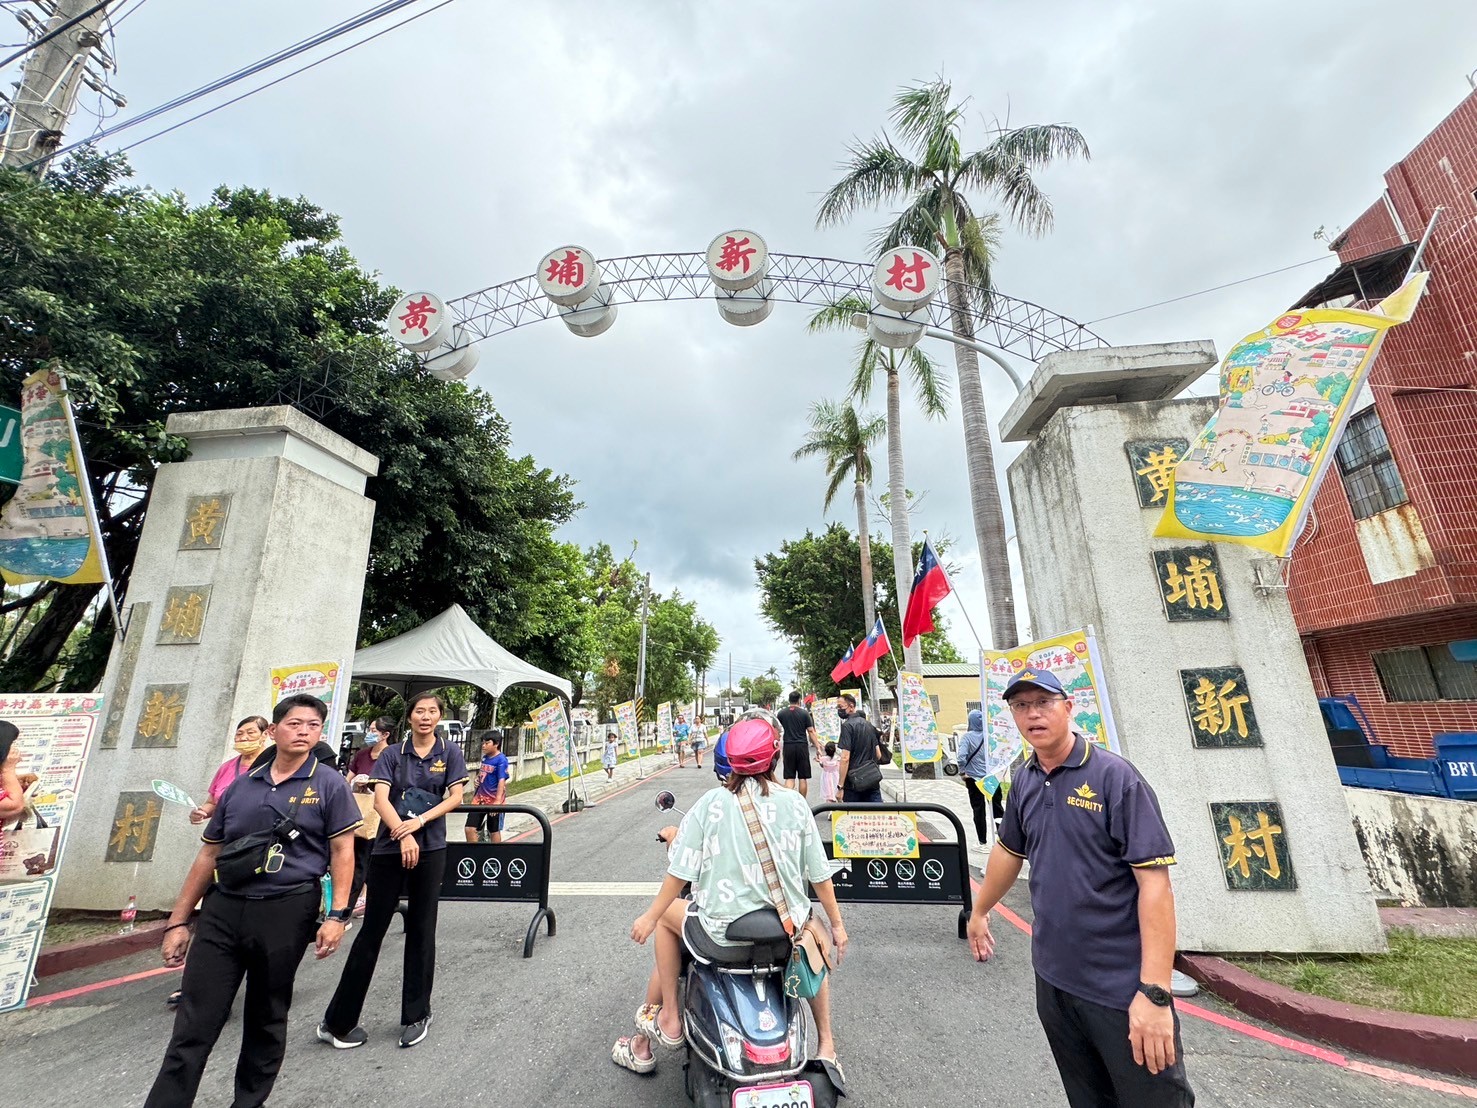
(450, 650)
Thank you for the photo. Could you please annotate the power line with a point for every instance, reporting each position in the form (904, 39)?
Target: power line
(1202, 292)
(364, 18)
(49, 35)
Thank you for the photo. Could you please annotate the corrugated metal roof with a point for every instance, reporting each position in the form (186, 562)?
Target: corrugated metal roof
(951, 669)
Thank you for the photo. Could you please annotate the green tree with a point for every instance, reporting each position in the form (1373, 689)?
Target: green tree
(932, 180)
(931, 389)
(152, 306)
(763, 690)
(844, 440)
(810, 594)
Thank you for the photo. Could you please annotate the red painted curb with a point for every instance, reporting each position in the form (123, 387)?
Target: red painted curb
(91, 952)
(1429, 1042)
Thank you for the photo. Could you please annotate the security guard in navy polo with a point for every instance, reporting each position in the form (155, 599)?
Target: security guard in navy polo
(261, 907)
(1103, 934)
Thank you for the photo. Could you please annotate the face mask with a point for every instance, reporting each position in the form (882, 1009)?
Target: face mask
(250, 746)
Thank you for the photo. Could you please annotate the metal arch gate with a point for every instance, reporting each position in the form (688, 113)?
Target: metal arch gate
(1005, 322)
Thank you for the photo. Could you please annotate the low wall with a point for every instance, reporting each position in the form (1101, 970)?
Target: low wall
(1421, 850)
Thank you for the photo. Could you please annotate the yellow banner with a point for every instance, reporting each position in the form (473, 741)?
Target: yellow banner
(919, 729)
(552, 725)
(47, 529)
(1286, 391)
(874, 834)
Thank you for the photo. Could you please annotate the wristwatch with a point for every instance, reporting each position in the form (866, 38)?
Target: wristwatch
(1155, 994)
(344, 915)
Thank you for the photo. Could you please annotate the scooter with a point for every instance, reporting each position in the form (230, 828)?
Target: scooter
(747, 1041)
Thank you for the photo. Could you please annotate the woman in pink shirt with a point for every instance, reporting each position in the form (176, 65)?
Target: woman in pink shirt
(251, 740)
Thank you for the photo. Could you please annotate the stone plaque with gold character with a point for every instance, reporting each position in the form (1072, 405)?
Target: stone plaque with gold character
(1152, 462)
(1219, 706)
(135, 827)
(1190, 584)
(1255, 853)
(183, 619)
(160, 715)
(205, 522)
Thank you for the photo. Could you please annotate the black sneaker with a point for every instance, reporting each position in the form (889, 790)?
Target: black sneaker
(415, 1032)
(356, 1037)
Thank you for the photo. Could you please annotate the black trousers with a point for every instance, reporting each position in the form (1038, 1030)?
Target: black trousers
(862, 796)
(388, 882)
(1095, 1059)
(361, 868)
(982, 807)
(263, 941)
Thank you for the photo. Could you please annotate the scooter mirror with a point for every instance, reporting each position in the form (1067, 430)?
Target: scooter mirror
(665, 801)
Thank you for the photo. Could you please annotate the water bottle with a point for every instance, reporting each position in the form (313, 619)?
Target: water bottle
(129, 914)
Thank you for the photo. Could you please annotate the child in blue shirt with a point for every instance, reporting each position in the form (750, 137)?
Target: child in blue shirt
(492, 788)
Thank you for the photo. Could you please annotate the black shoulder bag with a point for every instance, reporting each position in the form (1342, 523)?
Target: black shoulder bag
(413, 802)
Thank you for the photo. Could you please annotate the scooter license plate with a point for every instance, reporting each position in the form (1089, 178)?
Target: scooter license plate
(783, 1094)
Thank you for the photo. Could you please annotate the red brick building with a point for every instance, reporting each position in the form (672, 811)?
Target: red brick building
(1383, 582)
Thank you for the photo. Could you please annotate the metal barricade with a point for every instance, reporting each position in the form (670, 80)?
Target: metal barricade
(505, 871)
(939, 875)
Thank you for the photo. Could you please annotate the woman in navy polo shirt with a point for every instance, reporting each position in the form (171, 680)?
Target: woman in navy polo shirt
(408, 859)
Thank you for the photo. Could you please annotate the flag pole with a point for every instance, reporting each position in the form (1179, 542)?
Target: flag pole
(89, 507)
(895, 728)
(959, 599)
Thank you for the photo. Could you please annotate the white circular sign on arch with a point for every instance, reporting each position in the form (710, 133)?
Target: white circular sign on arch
(569, 275)
(737, 260)
(419, 321)
(906, 278)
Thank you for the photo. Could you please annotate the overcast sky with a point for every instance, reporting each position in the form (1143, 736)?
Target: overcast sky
(461, 148)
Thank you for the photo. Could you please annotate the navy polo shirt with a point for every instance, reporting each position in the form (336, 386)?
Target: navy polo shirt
(403, 768)
(1084, 827)
(317, 798)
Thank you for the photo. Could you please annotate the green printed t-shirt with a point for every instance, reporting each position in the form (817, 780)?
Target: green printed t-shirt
(713, 850)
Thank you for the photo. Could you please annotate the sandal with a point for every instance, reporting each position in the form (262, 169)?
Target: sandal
(646, 1021)
(624, 1055)
(834, 1063)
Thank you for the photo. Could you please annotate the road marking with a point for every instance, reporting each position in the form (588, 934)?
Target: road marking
(604, 888)
(83, 990)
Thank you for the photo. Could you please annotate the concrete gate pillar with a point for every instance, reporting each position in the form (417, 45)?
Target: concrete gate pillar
(252, 556)
(1208, 684)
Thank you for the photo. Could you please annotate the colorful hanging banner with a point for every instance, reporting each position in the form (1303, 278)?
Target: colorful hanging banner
(625, 718)
(320, 679)
(919, 730)
(1073, 659)
(827, 722)
(1286, 392)
(48, 531)
(664, 725)
(552, 725)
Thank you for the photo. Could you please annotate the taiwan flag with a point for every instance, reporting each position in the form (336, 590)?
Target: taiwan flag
(876, 645)
(930, 585)
(843, 667)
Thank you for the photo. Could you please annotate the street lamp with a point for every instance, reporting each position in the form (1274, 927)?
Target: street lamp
(862, 320)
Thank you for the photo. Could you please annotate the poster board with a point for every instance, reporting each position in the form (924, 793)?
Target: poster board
(320, 679)
(919, 730)
(664, 725)
(625, 718)
(827, 720)
(552, 726)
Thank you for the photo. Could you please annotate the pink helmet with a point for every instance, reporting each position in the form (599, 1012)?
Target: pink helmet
(752, 747)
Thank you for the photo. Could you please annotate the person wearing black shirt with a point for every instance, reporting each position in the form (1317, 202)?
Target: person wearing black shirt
(799, 737)
(860, 769)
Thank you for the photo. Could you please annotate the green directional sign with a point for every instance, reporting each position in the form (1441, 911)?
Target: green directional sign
(11, 457)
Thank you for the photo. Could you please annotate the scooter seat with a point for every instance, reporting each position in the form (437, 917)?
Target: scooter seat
(769, 946)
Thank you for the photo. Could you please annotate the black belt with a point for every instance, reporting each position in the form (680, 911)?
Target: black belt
(295, 890)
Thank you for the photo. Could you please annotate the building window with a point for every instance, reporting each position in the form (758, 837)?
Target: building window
(1425, 673)
(971, 706)
(1370, 477)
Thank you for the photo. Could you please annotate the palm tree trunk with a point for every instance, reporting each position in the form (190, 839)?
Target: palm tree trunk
(869, 598)
(979, 457)
(897, 495)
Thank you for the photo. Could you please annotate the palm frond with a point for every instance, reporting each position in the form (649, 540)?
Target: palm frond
(1004, 169)
(869, 359)
(930, 382)
(926, 120)
(836, 316)
(915, 225)
(874, 172)
(981, 242)
(1041, 143)
(840, 475)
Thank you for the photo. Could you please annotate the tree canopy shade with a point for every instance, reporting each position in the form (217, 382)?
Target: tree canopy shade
(810, 593)
(151, 305)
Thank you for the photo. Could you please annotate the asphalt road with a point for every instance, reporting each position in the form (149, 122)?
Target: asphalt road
(918, 1023)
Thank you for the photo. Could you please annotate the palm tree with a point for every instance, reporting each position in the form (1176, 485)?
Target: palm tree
(931, 389)
(844, 440)
(931, 180)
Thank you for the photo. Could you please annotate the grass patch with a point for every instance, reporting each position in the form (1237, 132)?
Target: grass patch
(539, 780)
(1432, 977)
(66, 925)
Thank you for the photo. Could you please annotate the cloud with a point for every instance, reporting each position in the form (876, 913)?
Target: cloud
(464, 146)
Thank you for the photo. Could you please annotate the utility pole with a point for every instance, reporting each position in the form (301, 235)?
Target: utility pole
(53, 76)
(641, 667)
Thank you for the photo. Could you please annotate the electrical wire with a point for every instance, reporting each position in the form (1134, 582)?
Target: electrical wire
(49, 35)
(364, 18)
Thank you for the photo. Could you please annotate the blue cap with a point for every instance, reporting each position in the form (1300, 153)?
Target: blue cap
(720, 757)
(1031, 677)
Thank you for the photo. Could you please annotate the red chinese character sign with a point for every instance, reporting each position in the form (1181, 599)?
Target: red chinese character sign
(906, 279)
(570, 277)
(419, 321)
(738, 265)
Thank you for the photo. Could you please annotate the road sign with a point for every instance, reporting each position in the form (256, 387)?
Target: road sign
(898, 881)
(12, 459)
(172, 793)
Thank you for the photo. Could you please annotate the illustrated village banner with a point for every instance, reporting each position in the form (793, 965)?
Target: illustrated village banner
(320, 679)
(1073, 659)
(919, 730)
(664, 725)
(827, 721)
(56, 734)
(1251, 474)
(552, 726)
(625, 718)
(46, 528)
